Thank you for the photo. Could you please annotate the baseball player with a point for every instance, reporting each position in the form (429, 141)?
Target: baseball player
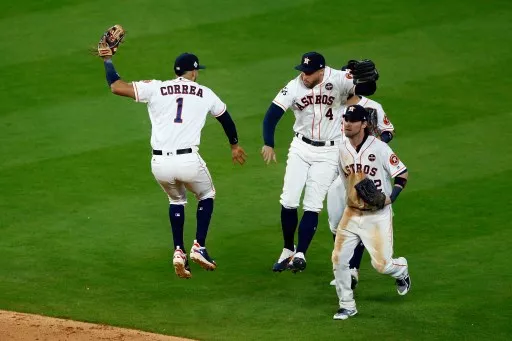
(178, 109)
(382, 128)
(315, 97)
(368, 166)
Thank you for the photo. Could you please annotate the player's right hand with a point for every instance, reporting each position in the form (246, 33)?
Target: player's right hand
(268, 154)
(238, 154)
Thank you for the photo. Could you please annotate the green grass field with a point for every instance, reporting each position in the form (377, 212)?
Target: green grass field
(84, 231)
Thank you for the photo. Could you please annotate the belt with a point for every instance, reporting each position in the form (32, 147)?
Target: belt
(177, 152)
(315, 143)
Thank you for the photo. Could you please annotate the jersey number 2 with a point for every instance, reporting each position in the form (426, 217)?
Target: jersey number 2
(328, 114)
(178, 119)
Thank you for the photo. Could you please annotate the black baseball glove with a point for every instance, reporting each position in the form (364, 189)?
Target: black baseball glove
(363, 71)
(369, 193)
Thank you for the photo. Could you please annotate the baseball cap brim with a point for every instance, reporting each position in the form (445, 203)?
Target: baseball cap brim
(201, 67)
(305, 69)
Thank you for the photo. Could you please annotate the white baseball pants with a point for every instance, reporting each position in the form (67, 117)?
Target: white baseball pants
(310, 166)
(375, 230)
(178, 173)
(336, 201)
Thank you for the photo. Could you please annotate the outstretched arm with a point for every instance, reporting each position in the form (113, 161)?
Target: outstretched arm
(273, 115)
(237, 153)
(114, 81)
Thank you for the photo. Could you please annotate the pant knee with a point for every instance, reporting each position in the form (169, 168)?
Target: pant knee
(381, 265)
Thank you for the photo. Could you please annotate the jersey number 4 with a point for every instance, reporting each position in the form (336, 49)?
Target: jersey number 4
(328, 114)
(178, 119)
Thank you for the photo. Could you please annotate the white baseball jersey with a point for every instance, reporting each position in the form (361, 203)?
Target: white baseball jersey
(177, 109)
(317, 111)
(383, 122)
(375, 160)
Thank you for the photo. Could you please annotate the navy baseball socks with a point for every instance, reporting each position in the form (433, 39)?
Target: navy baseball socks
(289, 222)
(177, 218)
(179, 259)
(198, 252)
(203, 215)
(307, 229)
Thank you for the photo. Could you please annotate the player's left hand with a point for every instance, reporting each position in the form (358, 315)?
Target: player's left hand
(268, 154)
(238, 154)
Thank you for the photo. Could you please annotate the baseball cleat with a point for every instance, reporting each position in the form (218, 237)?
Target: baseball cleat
(354, 278)
(298, 262)
(403, 286)
(283, 263)
(343, 314)
(180, 263)
(200, 256)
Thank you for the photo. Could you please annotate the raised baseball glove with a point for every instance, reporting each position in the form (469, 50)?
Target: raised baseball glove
(110, 41)
(364, 71)
(369, 193)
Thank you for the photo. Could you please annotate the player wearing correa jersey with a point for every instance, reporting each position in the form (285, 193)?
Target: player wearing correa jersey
(367, 166)
(315, 97)
(178, 109)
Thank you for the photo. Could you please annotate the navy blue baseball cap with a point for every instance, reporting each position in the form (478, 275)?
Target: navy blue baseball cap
(355, 113)
(187, 62)
(311, 62)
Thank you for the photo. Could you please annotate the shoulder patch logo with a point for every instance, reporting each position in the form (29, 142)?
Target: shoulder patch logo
(386, 120)
(371, 157)
(394, 160)
(328, 86)
(284, 91)
(348, 75)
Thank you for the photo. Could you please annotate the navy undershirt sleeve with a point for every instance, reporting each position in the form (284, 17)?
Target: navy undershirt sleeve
(273, 115)
(366, 89)
(229, 127)
(386, 136)
(110, 72)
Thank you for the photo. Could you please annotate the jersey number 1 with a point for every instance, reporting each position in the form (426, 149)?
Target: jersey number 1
(178, 119)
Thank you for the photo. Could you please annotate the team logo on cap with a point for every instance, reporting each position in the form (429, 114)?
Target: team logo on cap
(306, 60)
(328, 86)
(195, 64)
(386, 120)
(371, 157)
(394, 160)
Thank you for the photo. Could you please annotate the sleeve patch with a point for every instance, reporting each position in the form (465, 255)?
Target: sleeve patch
(386, 120)
(394, 160)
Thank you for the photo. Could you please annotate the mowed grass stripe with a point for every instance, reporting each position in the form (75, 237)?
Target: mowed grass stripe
(88, 20)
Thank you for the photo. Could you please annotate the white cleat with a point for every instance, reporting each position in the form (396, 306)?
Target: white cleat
(180, 263)
(343, 314)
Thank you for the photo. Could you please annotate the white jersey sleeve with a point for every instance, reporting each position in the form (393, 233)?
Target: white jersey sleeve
(345, 83)
(286, 95)
(383, 122)
(217, 107)
(144, 90)
(392, 164)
